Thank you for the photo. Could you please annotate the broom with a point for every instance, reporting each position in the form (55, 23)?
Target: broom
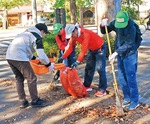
(119, 109)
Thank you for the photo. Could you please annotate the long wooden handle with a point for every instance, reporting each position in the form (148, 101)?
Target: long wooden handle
(112, 65)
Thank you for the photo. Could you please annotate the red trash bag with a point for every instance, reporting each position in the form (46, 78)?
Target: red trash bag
(72, 83)
(64, 78)
(77, 87)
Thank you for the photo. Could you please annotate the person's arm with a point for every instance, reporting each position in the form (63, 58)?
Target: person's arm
(61, 44)
(69, 48)
(129, 41)
(40, 52)
(110, 27)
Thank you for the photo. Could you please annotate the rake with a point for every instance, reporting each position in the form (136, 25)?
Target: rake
(119, 109)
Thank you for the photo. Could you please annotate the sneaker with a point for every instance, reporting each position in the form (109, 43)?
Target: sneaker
(88, 88)
(125, 103)
(39, 103)
(56, 77)
(132, 106)
(24, 104)
(100, 93)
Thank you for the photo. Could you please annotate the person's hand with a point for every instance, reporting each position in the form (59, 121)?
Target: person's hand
(113, 56)
(75, 64)
(60, 60)
(51, 67)
(104, 22)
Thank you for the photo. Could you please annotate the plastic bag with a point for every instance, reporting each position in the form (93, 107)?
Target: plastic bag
(72, 83)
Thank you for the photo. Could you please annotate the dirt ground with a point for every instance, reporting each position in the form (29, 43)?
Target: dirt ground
(63, 108)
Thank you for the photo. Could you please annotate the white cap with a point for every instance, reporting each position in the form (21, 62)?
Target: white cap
(69, 29)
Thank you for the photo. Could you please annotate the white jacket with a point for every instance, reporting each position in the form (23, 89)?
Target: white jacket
(24, 45)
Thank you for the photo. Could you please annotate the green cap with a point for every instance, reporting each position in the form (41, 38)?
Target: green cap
(121, 19)
(56, 28)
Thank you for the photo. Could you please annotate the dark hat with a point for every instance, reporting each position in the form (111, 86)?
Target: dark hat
(43, 27)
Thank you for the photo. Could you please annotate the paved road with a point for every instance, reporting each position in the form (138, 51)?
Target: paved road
(143, 74)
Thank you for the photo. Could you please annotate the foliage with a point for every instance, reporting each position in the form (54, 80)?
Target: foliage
(132, 12)
(8, 4)
(132, 2)
(112, 43)
(50, 45)
(65, 4)
(59, 3)
(84, 3)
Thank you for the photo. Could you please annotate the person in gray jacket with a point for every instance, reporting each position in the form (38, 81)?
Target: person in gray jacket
(18, 56)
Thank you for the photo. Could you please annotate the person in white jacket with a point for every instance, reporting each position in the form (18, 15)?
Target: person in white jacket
(18, 56)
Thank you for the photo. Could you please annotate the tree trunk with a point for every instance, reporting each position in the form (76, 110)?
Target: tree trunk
(34, 12)
(73, 10)
(81, 15)
(5, 21)
(108, 9)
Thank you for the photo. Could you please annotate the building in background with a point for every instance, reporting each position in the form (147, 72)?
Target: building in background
(22, 16)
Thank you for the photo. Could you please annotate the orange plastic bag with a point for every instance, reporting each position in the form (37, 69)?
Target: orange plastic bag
(72, 83)
(64, 79)
(77, 87)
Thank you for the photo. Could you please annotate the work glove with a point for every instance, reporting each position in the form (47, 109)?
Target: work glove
(113, 56)
(75, 64)
(60, 60)
(104, 22)
(51, 67)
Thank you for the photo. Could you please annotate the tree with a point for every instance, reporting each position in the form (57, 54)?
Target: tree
(34, 12)
(5, 5)
(81, 4)
(132, 7)
(107, 8)
(73, 7)
(73, 11)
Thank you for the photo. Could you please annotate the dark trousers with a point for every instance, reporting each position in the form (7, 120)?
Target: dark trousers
(22, 71)
(96, 60)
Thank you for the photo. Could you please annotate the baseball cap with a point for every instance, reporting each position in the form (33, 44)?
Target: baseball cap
(56, 28)
(69, 29)
(43, 27)
(121, 19)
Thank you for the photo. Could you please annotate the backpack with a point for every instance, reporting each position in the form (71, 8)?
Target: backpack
(138, 38)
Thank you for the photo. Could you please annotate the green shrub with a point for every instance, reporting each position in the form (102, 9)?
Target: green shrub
(112, 43)
(50, 45)
(132, 12)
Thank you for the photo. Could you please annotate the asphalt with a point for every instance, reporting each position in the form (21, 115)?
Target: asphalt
(143, 73)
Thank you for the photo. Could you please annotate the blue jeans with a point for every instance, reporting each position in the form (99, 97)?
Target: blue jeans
(96, 60)
(127, 69)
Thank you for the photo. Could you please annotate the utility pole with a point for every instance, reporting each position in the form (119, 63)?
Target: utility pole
(34, 12)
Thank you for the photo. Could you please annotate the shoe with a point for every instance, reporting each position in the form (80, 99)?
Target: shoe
(132, 106)
(88, 88)
(24, 104)
(56, 76)
(100, 93)
(39, 103)
(125, 103)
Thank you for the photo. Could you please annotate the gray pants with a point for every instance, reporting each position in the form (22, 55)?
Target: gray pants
(22, 71)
